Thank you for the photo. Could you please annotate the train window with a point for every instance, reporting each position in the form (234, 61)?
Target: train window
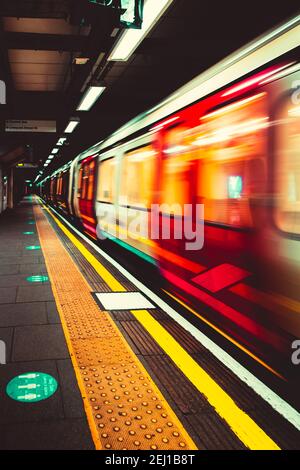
(138, 177)
(229, 148)
(79, 185)
(90, 181)
(176, 175)
(107, 180)
(287, 172)
(85, 178)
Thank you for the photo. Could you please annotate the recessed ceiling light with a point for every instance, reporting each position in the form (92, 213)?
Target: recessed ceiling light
(90, 97)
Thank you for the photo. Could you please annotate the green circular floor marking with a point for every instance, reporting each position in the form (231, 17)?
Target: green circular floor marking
(33, 247)
(37, 278)
(31, 387)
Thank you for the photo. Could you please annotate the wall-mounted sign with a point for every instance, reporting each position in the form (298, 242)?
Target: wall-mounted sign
(25, 125)
(131, 15)
(27, 165)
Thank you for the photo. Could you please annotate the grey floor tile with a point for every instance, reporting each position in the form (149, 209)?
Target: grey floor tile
(9, 269)
(52, 313)
(8, 295)
(72, 434)
(39, 342)
(12, 280)
(32, 269)
(9, 260)
(32, 313)
(72, 401)
(35, 293)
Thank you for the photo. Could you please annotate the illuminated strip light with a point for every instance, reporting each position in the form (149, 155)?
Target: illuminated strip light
(229, 132)
(231, 107)
(266, 393)
(90, 97)
(132, 38)
(258, 79)
(71, 126)
(295, 112)
(282, 74)
(50, 157)
(61, 141)
(242, 62)
(163, 124)
(54, 151)
(176, 149)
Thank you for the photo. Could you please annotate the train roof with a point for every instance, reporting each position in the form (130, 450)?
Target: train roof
(254, 55)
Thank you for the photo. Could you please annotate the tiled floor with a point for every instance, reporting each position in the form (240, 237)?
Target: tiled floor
(31, 329)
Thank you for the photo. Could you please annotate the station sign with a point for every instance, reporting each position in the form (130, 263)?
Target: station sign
(26, 125)
(131, 15)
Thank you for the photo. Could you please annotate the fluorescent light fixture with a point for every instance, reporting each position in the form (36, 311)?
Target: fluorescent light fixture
(54, 151)
(72, 125)
(50, 157)
(90, 97)
(61, 141)
(27, 181)
(46, 164)
(132, 38)
(48, 161)
(81, 60)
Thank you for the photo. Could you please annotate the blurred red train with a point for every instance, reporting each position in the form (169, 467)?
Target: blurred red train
(232, 145)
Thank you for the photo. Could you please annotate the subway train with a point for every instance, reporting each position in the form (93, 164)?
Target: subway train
(228, 144)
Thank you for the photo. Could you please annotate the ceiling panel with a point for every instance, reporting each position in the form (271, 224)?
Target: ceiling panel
(42, 26)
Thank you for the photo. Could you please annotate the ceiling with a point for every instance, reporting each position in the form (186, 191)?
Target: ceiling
(40, 41)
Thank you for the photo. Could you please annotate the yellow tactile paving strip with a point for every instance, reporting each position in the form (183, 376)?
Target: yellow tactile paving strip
(124, 407)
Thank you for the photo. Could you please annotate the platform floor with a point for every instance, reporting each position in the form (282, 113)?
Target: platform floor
(127, 379)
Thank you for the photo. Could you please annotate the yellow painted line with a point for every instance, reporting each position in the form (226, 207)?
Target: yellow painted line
(225, 335)
(241, 424)
(110, 280)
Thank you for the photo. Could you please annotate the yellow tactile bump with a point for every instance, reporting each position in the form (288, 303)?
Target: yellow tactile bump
(124, 407)
(129, 411)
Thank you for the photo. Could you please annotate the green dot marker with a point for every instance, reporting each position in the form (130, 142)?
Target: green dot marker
(37, 278)
(33, 247)
(28, 233)
(31, 387)
(31, 223)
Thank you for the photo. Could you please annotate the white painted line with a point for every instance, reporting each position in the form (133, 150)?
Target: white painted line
(274, 400)
(123, 301)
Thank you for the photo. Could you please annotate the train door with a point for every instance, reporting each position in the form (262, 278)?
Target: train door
(86, 191)
(178, 179)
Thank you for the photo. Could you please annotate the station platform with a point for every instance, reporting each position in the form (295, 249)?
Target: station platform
(94, 361)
